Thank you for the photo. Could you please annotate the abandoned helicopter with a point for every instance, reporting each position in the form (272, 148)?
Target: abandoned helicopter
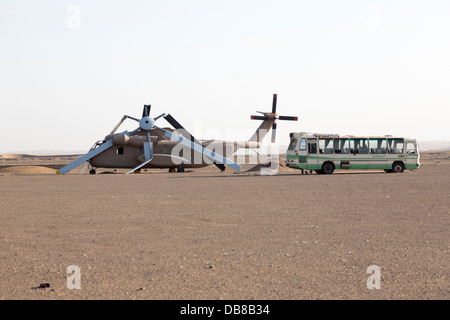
(150, 146)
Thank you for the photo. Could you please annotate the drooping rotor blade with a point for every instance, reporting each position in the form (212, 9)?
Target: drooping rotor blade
(106, 145)
(148, 148)
(196, 147)
(188, 136)
(148, 153)
(146, 111)
(139, 166)
(274, 103)
(259, 118)
(288, 118)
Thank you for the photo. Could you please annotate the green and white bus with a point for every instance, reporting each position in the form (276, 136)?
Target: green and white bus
(324, 153)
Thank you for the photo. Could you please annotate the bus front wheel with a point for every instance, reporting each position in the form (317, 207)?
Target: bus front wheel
(398, 167)
(327, 168)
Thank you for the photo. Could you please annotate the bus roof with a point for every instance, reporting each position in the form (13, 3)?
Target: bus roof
(335, 135)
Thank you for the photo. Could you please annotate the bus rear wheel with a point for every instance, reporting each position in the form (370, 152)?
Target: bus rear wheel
(398, 167)
(327, 168)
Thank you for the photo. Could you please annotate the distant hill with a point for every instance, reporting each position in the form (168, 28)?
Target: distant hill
(434, 145)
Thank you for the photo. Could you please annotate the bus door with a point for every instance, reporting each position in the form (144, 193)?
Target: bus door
(312, 154)
(412, 155)
(302, 151)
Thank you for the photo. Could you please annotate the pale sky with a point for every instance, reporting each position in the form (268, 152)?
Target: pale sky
(69, 70)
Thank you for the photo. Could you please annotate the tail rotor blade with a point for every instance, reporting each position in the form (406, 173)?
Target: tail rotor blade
(274, 132)
(274, 103)
(288, 118)
(259, 118)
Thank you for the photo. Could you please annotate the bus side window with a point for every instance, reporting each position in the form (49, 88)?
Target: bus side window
(410, 147)
(312, 147)
(362, 145)
(395, 146)
(326, 146)
(303, 144)
(293, 144)
(377, 146)
(341, 146)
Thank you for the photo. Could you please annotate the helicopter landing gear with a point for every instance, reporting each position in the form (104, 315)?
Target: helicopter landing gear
(92, 171)
(180, 170)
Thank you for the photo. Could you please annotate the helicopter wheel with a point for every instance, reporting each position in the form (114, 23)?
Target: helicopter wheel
(92, 171)
(180, 170)
(171, 170)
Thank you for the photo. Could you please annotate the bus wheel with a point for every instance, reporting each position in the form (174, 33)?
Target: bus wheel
(328, 168)
(398, 167)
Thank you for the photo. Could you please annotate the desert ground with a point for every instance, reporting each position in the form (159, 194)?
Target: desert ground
(206, 234)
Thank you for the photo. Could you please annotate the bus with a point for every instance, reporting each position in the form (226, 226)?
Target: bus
(324, 153)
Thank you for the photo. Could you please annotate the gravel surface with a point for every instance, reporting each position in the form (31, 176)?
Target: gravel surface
(204, 234)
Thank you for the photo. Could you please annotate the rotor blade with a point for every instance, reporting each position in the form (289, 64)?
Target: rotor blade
(187, 135)
(139, 166)
(196, 147)
(180, 129)
(259, 118)
(146, 111)
(274, 103)
(288, 118)
(274, 132)
(121, 121)
(148, 148)
(86, 157)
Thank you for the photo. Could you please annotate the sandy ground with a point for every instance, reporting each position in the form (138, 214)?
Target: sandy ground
(204, 234)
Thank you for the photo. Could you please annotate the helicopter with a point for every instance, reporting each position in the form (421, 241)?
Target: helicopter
(150, 146)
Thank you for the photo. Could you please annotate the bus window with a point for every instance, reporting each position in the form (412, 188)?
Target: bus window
(303, 144)
(359, 145)
(312, 146)
(378, 146)
(395, 145)
(293, 144)
(410, 147)
(341, 146)
(326, 146)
